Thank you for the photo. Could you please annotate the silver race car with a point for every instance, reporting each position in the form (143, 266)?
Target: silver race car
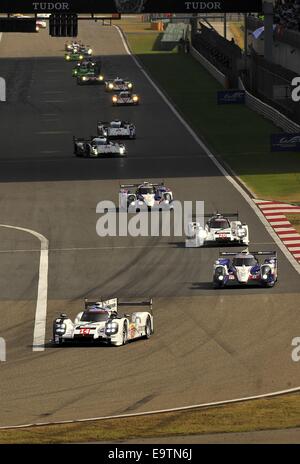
(118, 85)
(98, 147)
(244, 269)
(145, 196)
(100, 321)
(125, 98)
(116, 129)
(218, 230)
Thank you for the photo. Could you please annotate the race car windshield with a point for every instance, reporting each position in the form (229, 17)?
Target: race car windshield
(89, 316)
(244, 261)
(218, 224)
(146, 190)
(96, 143)
(116, 124)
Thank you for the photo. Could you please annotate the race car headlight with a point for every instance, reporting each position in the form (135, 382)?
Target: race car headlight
(135, 98)
(167, 197)
(60, 328)
(67, 57)
(241, 232)
(101, 78)
(221, 277)
(265, 272)
(75, 72)
(122, 150)
(111, 328)
(90, 51)
(81, 57)
(84, 78)
(130, 85)
(110, 86)
(131, 199)
(114, 99)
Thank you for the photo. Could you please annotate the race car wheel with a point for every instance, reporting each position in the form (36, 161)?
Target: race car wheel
(218, 284)
(124, 335)
(148, 330)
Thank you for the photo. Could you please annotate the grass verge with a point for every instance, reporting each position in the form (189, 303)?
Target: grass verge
(294, 220)
(236, 134)
(266, 414)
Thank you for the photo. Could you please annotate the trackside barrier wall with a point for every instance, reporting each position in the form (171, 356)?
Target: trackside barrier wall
(269, 112)
(218, 75)
(252, 102)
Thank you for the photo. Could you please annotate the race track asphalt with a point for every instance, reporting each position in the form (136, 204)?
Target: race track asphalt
(208, 345)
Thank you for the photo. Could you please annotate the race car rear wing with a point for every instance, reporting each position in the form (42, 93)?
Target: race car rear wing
(140, 183)
(224, 215)
(246, 252)
(82, 139)
(146, 302)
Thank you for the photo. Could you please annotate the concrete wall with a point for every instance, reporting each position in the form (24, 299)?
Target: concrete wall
(283, 54)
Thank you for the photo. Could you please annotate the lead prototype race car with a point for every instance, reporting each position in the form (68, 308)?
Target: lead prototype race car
(244, 269)
(98, 147)
(100, 321)
(218, 230)
(145, 196)
(75, 46)
(116, 129)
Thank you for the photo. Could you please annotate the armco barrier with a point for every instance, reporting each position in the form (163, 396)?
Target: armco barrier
(252, 102)
(269, 112)
(209, 66)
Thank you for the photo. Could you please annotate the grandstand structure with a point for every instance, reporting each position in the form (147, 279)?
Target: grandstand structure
(270, 58)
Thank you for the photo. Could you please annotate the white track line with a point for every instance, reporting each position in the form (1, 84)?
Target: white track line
(158, 411)
(41, 302)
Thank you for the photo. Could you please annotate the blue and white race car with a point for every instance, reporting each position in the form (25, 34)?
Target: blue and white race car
(146, 196)
(244, 269)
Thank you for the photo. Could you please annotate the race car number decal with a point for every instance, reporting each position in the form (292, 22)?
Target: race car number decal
(222, 235)
(85, 331)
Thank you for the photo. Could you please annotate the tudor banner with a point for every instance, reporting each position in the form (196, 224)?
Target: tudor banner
(130, 6)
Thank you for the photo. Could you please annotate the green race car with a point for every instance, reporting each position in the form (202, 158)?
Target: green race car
(74, 56)
(84, 67)
(90, 78)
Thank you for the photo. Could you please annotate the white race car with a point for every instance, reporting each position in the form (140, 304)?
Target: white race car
(116, 129)
(98, 147)
(101, 322)
(118, 85)
(244, 269)
(125, 98)
(70, 46)
(219, 230)
(146, 196)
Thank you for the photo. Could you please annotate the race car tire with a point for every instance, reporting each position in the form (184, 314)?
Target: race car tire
(268, 284)
(218, 285)
(124, 334)
(148, 330)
